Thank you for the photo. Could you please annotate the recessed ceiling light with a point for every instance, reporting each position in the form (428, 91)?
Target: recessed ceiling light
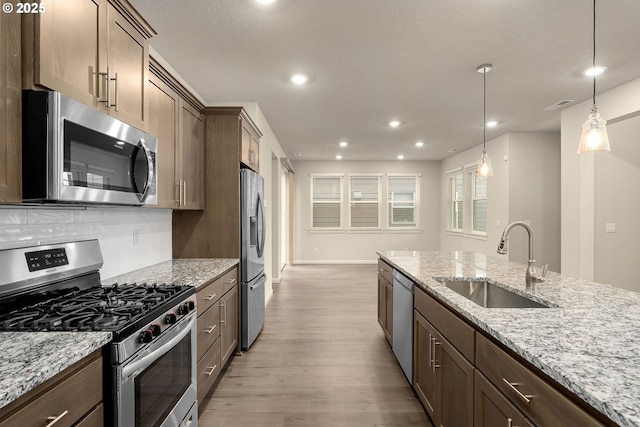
(343, 143)
(400, 157)
(299, 79)
(266, 1)
(595, 71)
(338, 157)
(492, 124)
(394, 123)
(419, 144)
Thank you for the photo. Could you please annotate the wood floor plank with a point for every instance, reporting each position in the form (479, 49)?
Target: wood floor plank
(320, 360)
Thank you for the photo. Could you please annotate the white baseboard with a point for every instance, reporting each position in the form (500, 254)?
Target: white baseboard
(269, 296)
(335, 261)
(275, 280)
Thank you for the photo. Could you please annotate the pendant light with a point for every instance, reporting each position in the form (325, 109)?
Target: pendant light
(484, 164)
(594, 136)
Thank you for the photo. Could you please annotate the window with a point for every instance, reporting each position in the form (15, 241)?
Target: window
(479, 200)
(457, 201)
(364, 201)
(403, 201)
(326, 201)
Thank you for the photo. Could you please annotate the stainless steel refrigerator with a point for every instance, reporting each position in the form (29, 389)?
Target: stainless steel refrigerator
(252, 237)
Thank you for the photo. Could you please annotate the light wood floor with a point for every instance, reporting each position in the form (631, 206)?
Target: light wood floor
(321, 359)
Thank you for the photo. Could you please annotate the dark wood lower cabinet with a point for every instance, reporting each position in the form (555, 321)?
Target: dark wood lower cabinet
(492, 408)
(443, 378)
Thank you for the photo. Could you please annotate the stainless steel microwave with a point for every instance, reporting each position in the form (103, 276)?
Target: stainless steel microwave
(72, 153)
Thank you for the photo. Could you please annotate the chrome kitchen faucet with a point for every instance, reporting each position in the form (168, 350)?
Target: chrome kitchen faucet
(531, 276)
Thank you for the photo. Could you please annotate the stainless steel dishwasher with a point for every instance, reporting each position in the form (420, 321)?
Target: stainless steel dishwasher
(402, 344)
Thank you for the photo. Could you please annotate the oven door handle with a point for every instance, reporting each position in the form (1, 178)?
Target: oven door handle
(147, 360)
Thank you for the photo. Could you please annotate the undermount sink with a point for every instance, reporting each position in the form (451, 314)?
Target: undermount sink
(487, 294)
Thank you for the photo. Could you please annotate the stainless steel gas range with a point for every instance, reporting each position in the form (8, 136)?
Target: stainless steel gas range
(150, 367)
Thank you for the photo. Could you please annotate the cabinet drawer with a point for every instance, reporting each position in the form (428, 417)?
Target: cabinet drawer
(208, 369)
(208, 295)
(94, 419)
(77, 394)
(208, 329)
(457, 331)
(546, 406)
(385, 270)
(228, 280)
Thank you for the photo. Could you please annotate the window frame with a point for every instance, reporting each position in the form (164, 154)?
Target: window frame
(473, 177)
(416, 202)
(351, 202)
(451, 176)
(312, 201)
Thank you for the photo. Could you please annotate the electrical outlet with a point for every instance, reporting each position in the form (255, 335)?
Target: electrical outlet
(610, 227)
(136, 237)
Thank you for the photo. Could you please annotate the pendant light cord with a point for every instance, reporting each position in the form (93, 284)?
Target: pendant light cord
(484, 110)
(594, 53)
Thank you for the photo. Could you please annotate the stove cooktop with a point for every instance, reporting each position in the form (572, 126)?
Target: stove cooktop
(115, 308)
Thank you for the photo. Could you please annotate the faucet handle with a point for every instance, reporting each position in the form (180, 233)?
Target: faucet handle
(544, 271)
(539, 277)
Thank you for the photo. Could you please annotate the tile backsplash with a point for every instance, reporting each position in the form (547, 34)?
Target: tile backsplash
(130, 238)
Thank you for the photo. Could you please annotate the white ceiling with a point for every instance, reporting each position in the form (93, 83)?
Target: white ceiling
(371, 61)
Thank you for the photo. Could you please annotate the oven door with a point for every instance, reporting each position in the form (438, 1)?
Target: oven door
(157, 387)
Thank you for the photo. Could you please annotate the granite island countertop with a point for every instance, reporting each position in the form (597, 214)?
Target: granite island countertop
(588, 341)
(30, 358)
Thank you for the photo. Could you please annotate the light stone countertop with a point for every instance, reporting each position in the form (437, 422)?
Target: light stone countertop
(194, 272)
(30, 358)
(589, 341)
(27, 359)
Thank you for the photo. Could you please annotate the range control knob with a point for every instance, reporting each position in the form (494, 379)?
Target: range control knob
(145, 336)
(183, 309)
(192, 305)
(170, 319)
(155, 330)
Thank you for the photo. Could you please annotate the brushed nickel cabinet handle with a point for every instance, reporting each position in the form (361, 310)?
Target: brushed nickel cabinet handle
(224, 318)
(115, 79)
(54, 420)
(211, 370)
(435, 359)
(185, 193)
(230, 281)
(210, 297)
(510, 423)
(211, 329)
(527, 398)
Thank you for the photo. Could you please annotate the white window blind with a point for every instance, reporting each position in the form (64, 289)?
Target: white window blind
(479, 197)
(457, 202)
(364, 198)
(402, 201)
(326, 201)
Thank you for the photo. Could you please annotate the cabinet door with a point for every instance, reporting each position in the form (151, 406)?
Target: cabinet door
(492, 408)
(191, 157)
(128, 61)
(163, 124)
(70, 48)
(423, 366)
(389, 312)
(250, 148)
(454, 377)
(229, 323)
(10, 109)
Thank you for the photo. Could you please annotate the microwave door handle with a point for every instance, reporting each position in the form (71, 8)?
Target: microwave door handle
(147, 185)
(159, 352)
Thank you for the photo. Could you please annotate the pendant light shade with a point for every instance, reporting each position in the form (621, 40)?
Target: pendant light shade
(594, 138)
(484, 164)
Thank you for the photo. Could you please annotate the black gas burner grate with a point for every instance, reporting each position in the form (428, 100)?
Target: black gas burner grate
(94, 309)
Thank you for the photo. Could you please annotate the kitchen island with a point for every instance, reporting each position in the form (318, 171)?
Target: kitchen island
(587, 341)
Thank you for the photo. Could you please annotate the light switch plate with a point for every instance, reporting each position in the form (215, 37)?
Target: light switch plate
(610, 227)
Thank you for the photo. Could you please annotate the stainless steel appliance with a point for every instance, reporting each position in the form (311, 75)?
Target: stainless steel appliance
(403, 323)
(252, 237)
(75, 154)
(150, 367)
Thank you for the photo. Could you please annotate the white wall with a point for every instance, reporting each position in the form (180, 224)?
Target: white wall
(113, 227)
(577, 179)
(361, 247)
(525, 186)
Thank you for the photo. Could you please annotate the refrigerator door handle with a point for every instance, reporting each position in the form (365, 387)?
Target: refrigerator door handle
(260, 230)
